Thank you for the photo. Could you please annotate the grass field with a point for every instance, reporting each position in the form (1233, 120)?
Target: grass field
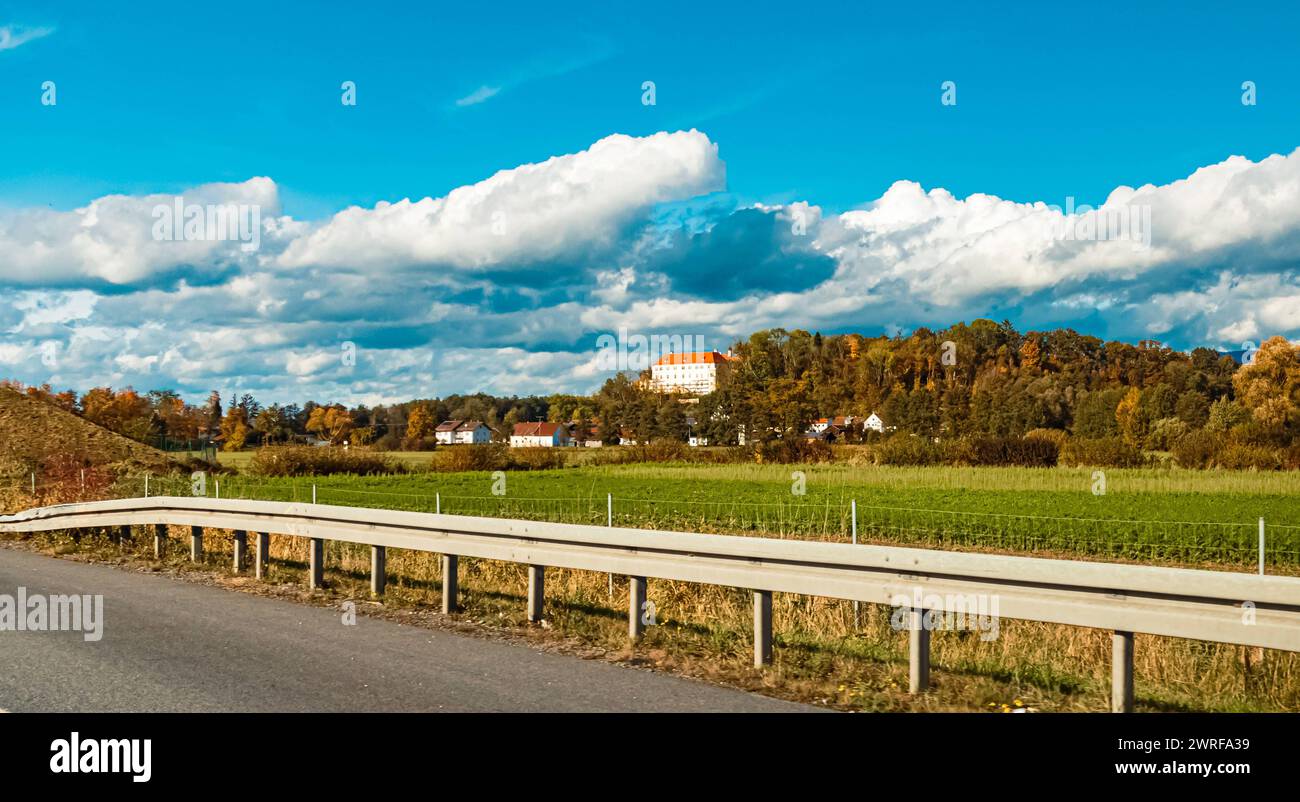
(1144, 515)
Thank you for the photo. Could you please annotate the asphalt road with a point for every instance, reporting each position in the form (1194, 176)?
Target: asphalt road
(175, 646)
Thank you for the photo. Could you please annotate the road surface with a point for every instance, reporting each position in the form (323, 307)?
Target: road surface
(175, 646)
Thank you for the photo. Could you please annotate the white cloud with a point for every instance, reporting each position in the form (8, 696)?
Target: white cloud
(112, 240)
(478, 95)
(536, 212)
(12, 36)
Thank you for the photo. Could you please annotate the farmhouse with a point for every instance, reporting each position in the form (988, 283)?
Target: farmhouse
(696, 372)
(528, 435)
(466, 432)
(874, 423)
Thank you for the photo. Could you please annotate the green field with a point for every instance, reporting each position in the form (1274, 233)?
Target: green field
(1145, 515)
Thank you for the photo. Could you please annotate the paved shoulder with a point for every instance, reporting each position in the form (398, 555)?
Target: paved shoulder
(175, 646)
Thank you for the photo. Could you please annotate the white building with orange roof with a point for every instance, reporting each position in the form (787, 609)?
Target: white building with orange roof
(694, 372)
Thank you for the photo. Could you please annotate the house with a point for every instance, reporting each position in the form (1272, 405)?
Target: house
(828, 434)
(843, 422)
(458, 432)
(546, 435)
(626, 437)
(696, 372)
(589, 439)
(874, 423)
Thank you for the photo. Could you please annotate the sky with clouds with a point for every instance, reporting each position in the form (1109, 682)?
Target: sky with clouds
(502, 194)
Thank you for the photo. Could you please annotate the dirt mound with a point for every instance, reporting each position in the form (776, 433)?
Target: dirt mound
(35, 434)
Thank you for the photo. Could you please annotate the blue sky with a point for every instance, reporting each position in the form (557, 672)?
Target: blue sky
(823, 109)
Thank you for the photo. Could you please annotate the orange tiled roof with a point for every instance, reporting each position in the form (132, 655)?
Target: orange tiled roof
(694, 358)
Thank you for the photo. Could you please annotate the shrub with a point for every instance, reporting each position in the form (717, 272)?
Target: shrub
(1165, 433)
(536, 458)
(1291, 457)
(1102, 452)
(483, 457)
(1258, 458)
(1198, 449)
(1057, 436)
(906, 449)
(793, 451)
(320, 461)
(1029, 452)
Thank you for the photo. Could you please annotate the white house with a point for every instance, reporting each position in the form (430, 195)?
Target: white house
(874, 423)
(546, 435)
(697, 372)
(458, 432)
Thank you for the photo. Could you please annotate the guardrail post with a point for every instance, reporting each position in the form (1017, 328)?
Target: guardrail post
(196, 543)
(159, 540)
(241, 549)
(536, 591)
(918, 652)
(378, 570)
(636, 594)
(263, 554)
(762, 628)
(123, 534)
(1121, 672)
(450, 583)
(317, 563)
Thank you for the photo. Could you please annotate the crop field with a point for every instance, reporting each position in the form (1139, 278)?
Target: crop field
(1141, 515)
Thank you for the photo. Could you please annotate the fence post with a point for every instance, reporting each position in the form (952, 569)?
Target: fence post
(313, 494)
(241, 549)
(1261, 546)
(33, 483)
(1121, 673)
(609, 521)
(317, 563)
(536, 592)
(857, 605)
(146, 485)
(159, 539)
(450, 582)
(762, 628)
(918, 656)
(263, 554)
(437, 503)
(378, 570)
(196, 544)
(636, 593)
(217, 484)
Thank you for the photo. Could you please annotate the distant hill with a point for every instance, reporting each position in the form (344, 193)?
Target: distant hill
(32, 432)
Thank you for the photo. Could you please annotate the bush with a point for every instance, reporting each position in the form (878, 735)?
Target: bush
(906, 449)
(1198, 449)
(1258, 458)
(536, 458)
(483, 457)
(792, 451)
(1058, 436)
(1291, 458)
(1101, 452)
(320, 461)
(1166, 433)
(1028, 452)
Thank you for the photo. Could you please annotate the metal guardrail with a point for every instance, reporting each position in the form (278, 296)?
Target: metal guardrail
(1242, 609)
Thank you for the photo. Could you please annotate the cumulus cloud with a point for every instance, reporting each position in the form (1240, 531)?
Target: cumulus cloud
(558, 208)
(120, 239)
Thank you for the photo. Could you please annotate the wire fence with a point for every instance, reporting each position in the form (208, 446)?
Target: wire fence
(1229, 543)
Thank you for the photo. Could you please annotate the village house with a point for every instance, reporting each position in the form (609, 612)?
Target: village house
(589, 439)
(458, 432)
(874, 423)
(543, 434)
(696, 372)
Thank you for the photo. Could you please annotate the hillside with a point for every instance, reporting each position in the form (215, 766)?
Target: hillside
(33, 432)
